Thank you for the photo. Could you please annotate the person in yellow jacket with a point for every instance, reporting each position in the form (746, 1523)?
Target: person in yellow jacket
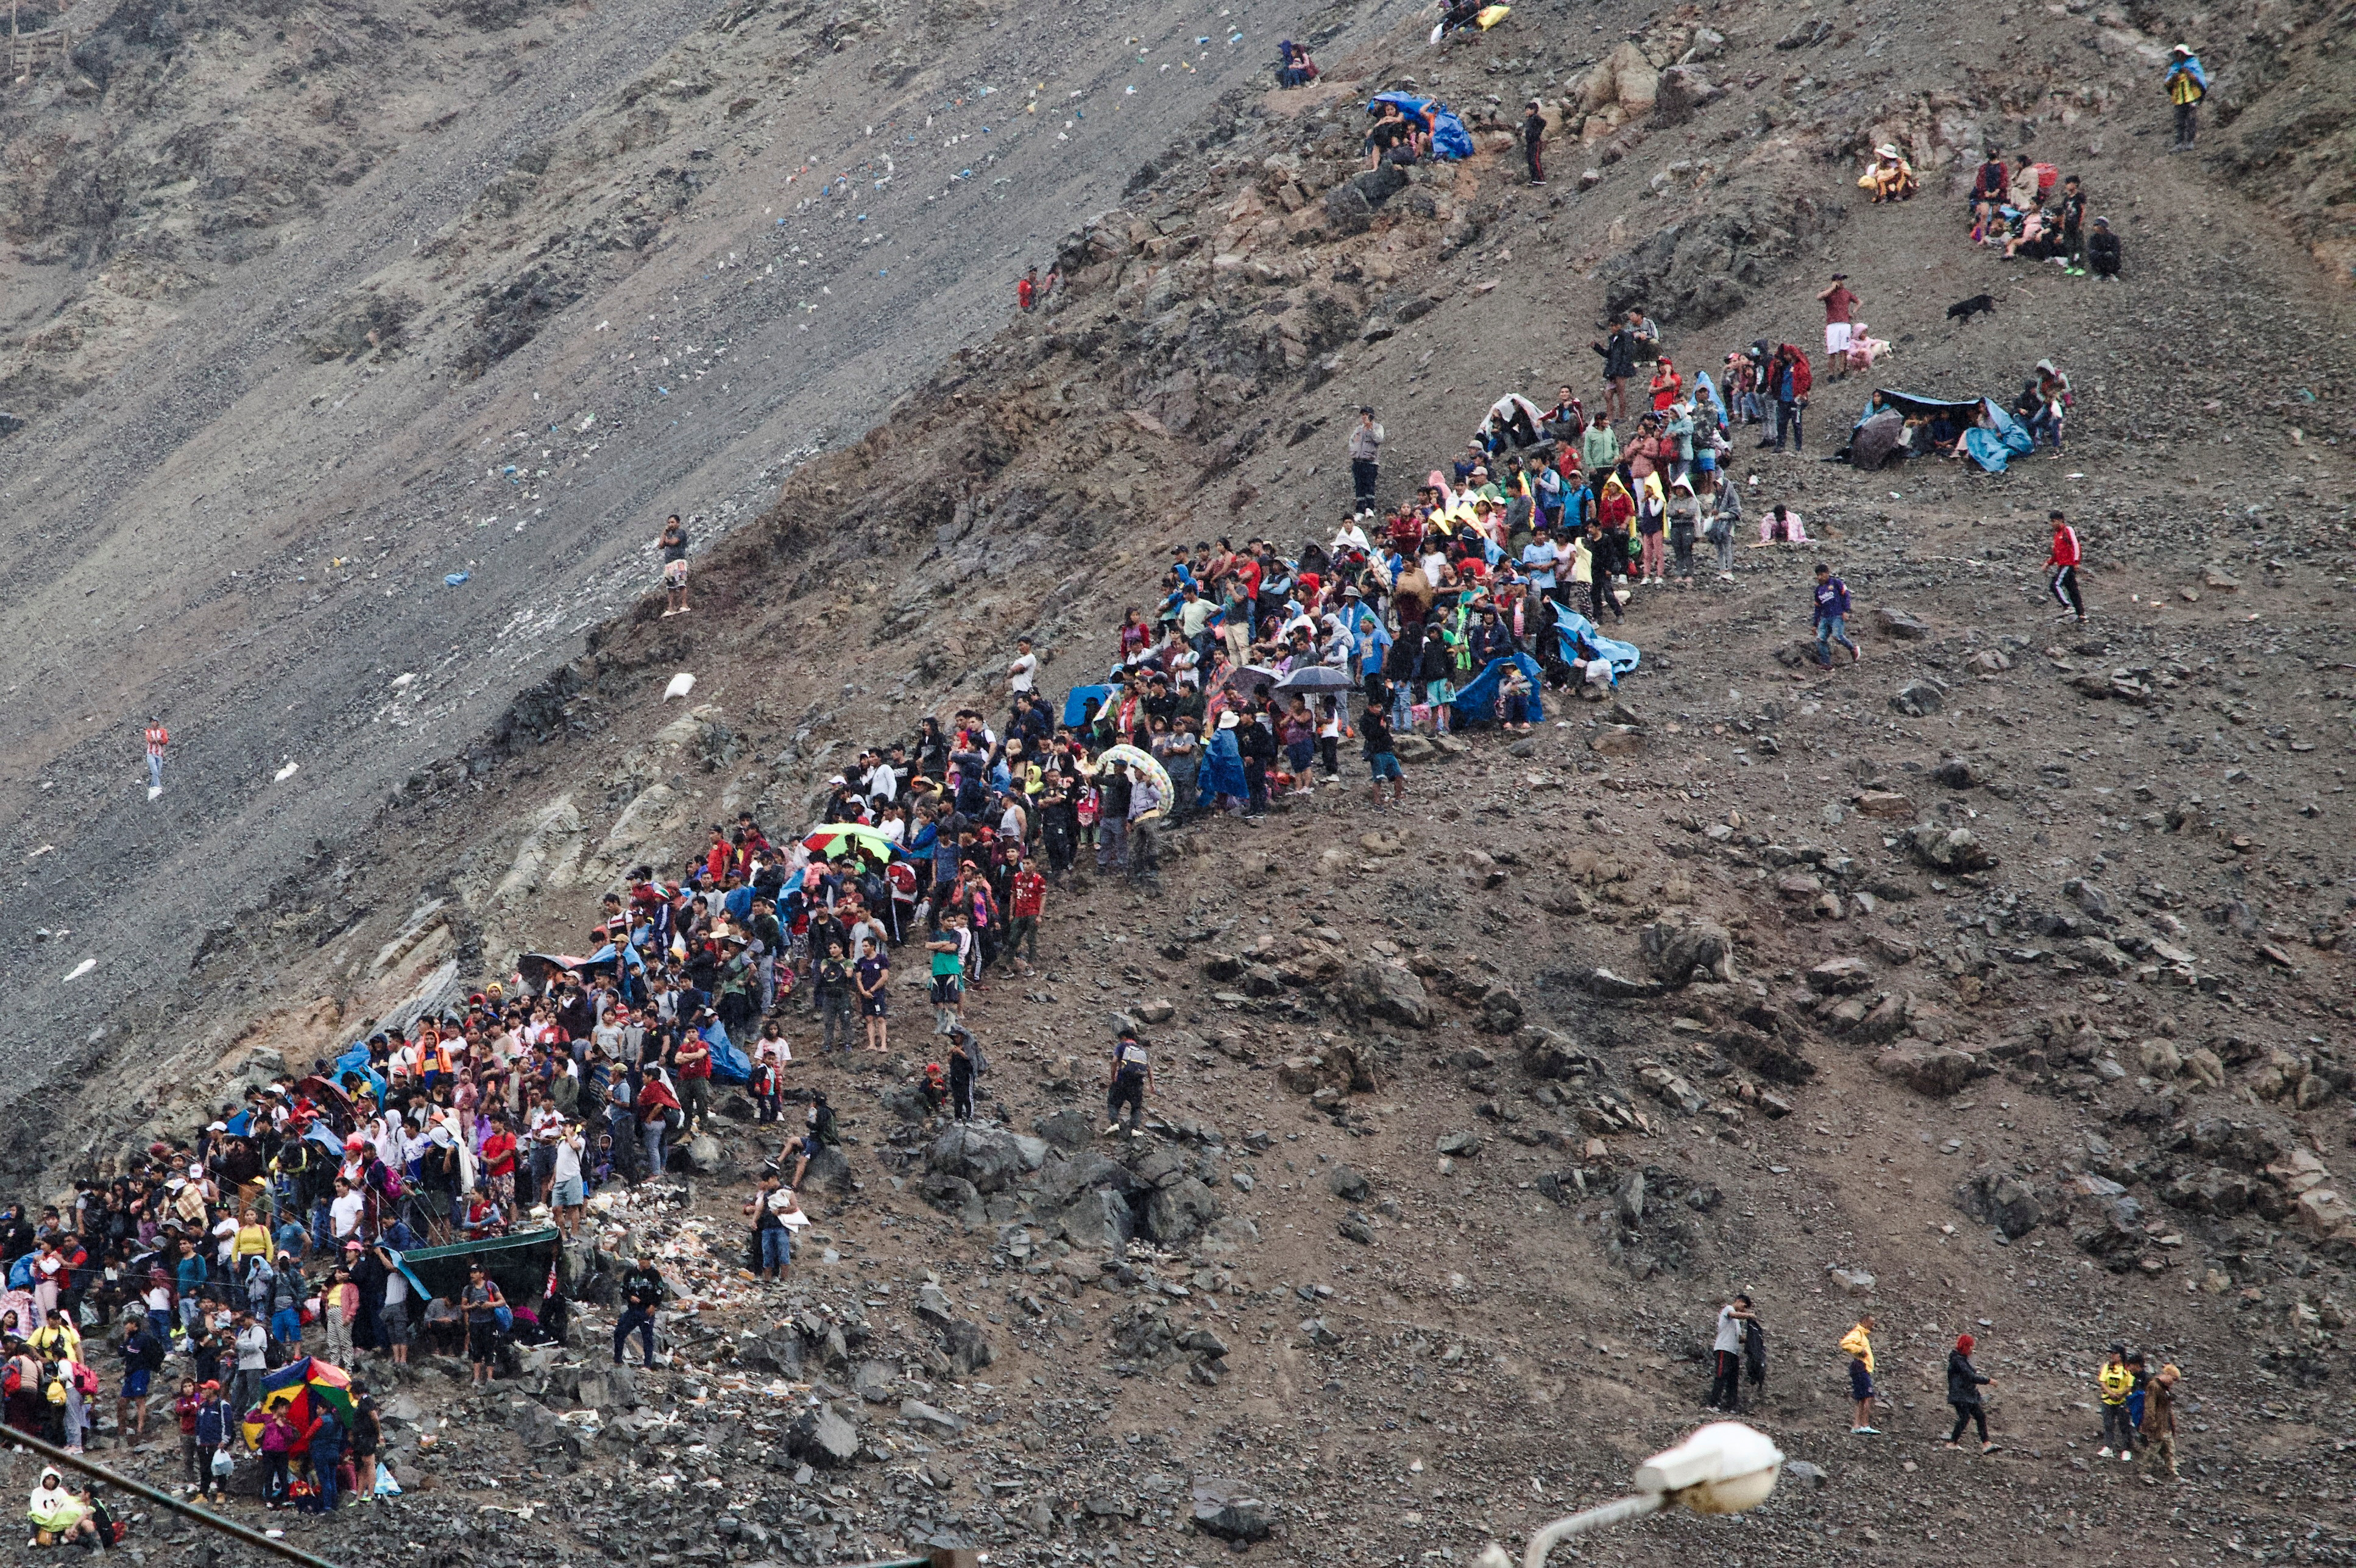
(2117, 1381)
(1857, 1345)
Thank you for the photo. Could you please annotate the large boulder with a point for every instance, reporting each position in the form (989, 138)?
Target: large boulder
(967, 1346)
(1546, 1053)
(1840, 977)
(1065, 1180)
(1624, 77)
(1174, 1213)
(828, 1172)
(1935, 1070)
(1919, 698)
(1675, 952)
(1230, 1511)
(1067, 1129)
(1379, 185)
(1385, 992)
(1098, 1221)
(1999, 1198)
(993, 1159)
(1950, 848)
(823, 1440)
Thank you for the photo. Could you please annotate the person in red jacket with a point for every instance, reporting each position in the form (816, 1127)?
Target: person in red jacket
(1030, 898)
(2061, 567)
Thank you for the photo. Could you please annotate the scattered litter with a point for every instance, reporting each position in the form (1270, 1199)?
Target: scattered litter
(680, 684)
(283, 774)
(43, 850)
(457, 579)
(79, 970)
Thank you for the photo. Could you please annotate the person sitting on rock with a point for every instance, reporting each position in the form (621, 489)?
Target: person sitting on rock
(1891, 177)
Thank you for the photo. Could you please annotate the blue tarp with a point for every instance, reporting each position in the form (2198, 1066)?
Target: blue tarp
(1569, 624)
(1449, 137)
(1075, 705)
(1477, 703)
(1993, 448)
(356, 1060)
(729, 1065)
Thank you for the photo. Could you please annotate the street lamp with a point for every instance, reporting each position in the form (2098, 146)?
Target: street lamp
(1724, 1467)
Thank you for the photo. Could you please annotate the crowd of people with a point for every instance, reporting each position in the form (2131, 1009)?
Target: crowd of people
(2137, 1401)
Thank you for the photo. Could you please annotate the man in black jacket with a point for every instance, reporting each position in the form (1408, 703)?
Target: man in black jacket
(1257, 741)
(642, 1291)
(1607, 551)
(1619, 352)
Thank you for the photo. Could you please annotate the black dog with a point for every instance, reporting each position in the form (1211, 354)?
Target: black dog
(1966, 309)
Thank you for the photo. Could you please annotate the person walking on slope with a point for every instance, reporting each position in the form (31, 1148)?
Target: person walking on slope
(2116, 1381)
(1366, 458)
(673, 544)
(1533, 140)
(1726, 1352)
(1857, 1345)
(2062, 568)
(2160, 1418)
(2186, 84)
(1133, 1075)
(157, 739)
(1832, 618)
(1963, 1385)
(1839, 302)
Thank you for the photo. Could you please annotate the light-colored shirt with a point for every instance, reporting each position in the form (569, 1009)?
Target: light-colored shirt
(1729, 1331)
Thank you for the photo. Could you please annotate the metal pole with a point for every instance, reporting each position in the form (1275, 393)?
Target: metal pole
(1593, 1520)
(165, 1499)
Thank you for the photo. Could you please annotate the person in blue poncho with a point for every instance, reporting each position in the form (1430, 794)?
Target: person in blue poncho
(2186, 85)
(1223, 767)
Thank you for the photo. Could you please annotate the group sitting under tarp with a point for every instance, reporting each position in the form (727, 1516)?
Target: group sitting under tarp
(1897, 425)
(1449, 137)
(1476, 704)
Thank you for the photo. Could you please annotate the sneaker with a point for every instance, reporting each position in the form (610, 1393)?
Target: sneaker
(2126, 1455)
(1726, 577)
(1865, 1432)
(1987, 1447)
(1857, 656)
(2103, 1452)
(1953, 1448)
(1116, 1127)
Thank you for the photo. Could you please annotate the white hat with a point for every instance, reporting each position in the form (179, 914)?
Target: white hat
(1226, 720)
(218, 1128)
(1887, 149)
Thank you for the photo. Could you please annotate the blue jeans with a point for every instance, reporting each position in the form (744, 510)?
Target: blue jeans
(155, 771)
(651, 1135)
(1830, 630)
(777, 1248)
(325, 1457)
(1787, 418)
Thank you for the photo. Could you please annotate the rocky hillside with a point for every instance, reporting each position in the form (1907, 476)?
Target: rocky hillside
(1995, 982)
(353, 361)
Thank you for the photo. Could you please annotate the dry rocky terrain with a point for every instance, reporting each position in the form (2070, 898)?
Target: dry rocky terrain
(1995, 982)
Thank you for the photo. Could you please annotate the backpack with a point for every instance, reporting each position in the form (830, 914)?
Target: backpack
(825, 1128)
(973, 1054)
(151, 1354)
(506, 1318)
